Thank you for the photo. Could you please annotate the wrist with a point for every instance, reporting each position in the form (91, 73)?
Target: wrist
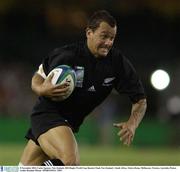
(133, 122)
(38, 90)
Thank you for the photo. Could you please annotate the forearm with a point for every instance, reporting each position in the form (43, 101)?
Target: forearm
(138, 112)
(36, 83)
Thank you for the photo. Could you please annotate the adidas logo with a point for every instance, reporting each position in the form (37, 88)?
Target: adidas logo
(92, 89)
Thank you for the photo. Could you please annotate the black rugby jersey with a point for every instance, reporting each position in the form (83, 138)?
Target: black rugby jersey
(96, 77)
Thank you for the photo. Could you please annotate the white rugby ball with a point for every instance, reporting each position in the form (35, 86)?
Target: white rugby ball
(64, 74)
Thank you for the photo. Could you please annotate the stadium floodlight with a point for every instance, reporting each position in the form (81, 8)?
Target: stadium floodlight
(160, 79)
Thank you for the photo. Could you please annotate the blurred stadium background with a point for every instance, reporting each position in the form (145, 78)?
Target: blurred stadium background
(148, 34)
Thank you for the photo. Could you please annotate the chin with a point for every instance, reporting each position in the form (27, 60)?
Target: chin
(101, 56)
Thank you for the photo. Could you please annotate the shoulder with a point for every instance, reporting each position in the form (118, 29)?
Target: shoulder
(117, 56)
(65, 53)
(121, 64)
(67, 50)
(62, 55)
(116, 51)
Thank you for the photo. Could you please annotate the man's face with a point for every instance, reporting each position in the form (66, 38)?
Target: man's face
(101, 40)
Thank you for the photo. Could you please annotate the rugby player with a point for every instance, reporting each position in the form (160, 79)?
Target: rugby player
(99, 67)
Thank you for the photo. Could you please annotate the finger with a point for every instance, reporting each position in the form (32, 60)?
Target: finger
(49, 78)
(62, 85)
(128, 140)
(126, 143)
(122, 132)
(124, 137)
(118, 125)
(60, 91)
(68, 81)
(59, 95)
(132, 138)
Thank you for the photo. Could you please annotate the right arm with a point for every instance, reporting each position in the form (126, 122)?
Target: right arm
(36, 83)
(41, 83)
(44, 87)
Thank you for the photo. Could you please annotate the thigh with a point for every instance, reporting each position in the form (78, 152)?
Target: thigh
(42, 122)
(33, 155)
(59, 142)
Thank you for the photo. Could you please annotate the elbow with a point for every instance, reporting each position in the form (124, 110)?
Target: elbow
(35, 84)
(32, 86)
(143, 103)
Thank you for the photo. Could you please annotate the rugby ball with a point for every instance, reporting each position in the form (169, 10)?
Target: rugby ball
(63, 74)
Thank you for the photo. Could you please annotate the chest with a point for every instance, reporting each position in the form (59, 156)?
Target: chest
(95, 76)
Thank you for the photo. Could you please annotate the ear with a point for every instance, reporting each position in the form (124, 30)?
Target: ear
(88, 32)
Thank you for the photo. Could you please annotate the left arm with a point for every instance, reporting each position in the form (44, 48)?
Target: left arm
(128, 128)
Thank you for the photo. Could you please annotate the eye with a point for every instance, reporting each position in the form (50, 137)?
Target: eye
(104, 36)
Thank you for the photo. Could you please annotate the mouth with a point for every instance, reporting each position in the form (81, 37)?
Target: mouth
(104, 49)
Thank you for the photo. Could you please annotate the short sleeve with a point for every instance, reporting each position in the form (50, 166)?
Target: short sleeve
(41, 71)
(127, 81)
(59, 56)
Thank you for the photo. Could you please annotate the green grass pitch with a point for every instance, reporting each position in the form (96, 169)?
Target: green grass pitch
(99, 155)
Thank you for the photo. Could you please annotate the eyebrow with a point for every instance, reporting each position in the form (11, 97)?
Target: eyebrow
(109, 33)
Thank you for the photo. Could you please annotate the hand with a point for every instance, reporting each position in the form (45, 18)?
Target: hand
(126, 133)
(53, 91)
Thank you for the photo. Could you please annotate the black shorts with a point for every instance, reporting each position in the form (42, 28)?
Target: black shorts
(42, 122)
